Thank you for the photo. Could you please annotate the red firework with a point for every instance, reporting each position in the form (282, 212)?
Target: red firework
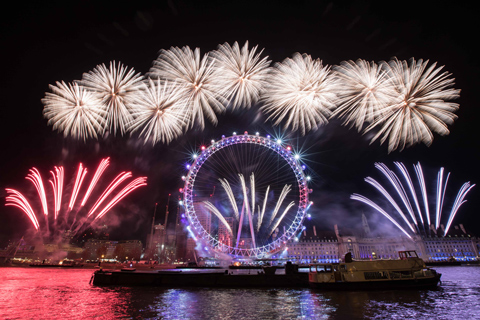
(67, 218)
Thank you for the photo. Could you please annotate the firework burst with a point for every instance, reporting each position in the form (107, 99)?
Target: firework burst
(74, 110)
(66, 217)
(417, 220)
(419, 107)
(242, 71)
(159, 113)
(195, 78)
(365, 91)
(301, 92)
(116, 87)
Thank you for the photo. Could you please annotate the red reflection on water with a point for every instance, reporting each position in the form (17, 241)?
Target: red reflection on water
(30, 293)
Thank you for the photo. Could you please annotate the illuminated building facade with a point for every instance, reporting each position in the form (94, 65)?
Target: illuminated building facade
(315, 250)
(311, 247)
(458, 245)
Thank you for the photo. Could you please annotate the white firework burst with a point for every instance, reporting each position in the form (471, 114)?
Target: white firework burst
(243, 73)
(420, 105)
(195, 78)
(116, 87)
(159, 112)
(301, 92)
(74, 110)
(365, 91)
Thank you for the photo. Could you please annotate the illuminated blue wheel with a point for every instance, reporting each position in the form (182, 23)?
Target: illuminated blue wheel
(245, 195)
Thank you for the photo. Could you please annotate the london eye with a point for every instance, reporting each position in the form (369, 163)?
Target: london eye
(245, 195)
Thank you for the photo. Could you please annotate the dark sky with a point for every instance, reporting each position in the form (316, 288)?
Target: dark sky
(45, 43)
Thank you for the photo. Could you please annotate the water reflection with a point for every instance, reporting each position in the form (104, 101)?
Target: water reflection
(198, 303)
(58, 294)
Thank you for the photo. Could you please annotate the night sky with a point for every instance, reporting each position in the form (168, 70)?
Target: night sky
(45, 43)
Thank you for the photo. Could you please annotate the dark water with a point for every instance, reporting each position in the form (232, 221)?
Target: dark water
(28, 293)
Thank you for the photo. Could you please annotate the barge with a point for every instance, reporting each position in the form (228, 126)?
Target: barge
(178, 278)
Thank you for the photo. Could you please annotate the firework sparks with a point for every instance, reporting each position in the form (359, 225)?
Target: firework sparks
(135, 184)
(275, 226)
(252, 191)
(385, 193)
(372, 204)
(242, 72)
(301, 92)
(440, 196)
(408, 179)
(74, 110)
(413, 223)
(116, 87)
(81, 172)
(159, 112)
(217, 213)
(395, 181)
(421, 105)
(36, 178)
(98, 173)
(113, 185)
(459, 200)
(231, 197)
(262, 213)
(365, 91)
(423, 188)
(195, 78)
(17, 199)
(286, 189)
(57, 185)
(250, 210)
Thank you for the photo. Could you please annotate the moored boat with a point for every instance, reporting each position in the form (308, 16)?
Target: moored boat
(407, 272)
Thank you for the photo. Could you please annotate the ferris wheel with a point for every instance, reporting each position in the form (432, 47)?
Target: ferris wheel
(245, 195)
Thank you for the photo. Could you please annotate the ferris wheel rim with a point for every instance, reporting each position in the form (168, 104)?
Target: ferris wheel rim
(286, 153)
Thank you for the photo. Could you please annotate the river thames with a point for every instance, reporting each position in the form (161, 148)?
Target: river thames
(31, 293)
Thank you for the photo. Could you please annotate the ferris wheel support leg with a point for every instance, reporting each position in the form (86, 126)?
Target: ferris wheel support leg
(240, 226)
(250, 221)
